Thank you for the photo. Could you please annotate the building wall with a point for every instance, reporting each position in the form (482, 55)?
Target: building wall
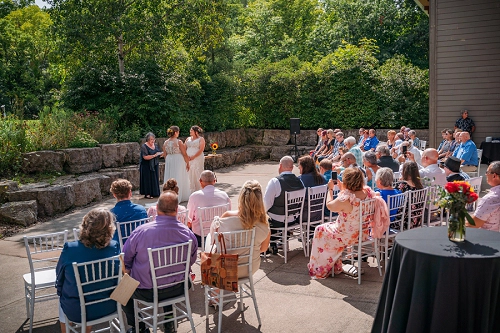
(464, 66)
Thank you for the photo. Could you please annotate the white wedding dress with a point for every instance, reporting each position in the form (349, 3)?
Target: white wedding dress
(175, 167)
(197, 165)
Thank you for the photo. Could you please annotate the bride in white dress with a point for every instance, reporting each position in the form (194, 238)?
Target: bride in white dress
(195, 145)
(176, 162)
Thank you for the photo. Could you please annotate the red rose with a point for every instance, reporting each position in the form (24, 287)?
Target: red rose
(472, 197)
(452, 187)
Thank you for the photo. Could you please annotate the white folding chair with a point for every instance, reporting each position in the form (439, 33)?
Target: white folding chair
(423, 144)
(95, 281)
(76, 233)
(478, 171)
(125, 228)
(242, 243)
(183, 217)
(417, 201)
(476, 184)
(316, 197)
(167, 264)
(43, 252)
(330, 217)
(396, 204)
(366, 245)
(396, 176)
(294, 206)
(432, 208)
(205, 216)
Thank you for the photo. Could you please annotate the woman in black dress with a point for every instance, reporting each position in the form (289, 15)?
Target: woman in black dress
(410, 182)
(148, 168)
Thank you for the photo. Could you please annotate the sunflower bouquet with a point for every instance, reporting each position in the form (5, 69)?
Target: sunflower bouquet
(454, 197)
(214, 146)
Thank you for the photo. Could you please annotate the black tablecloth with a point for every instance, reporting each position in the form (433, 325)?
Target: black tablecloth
(435, 285)
(491, 151)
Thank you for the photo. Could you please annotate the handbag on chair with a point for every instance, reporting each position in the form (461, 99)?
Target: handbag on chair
(219, 270)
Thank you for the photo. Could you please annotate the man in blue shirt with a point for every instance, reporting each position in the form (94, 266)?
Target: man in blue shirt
(372, 141)
(124, 209)
(467, 153)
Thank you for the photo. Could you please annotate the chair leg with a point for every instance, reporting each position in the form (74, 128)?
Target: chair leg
(207, 300)
(285, 243)
(252, 289)
(221, 303)
(377, 257)
(241, 298)
(32, 308)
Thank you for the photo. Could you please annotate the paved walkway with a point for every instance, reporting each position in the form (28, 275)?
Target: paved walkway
(288, 300)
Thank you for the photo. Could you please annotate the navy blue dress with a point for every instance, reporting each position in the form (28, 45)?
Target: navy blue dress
(66, 280)
(149, 172)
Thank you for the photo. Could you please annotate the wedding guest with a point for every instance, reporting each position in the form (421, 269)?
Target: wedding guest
(487, 214)
(164, 231)
(385, 159)
(95, 242)
(149, 173)
(170, 185)
(410, 181)
(464, 123)
(125, 210)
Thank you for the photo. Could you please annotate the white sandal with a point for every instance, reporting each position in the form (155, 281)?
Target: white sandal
(351, 270)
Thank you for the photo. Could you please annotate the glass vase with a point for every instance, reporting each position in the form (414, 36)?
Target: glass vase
(214, 151)
(456, 225)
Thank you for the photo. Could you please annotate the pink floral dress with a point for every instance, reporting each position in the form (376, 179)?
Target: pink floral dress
(331, 238)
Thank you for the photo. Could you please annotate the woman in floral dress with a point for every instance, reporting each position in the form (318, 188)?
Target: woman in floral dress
(331, 238)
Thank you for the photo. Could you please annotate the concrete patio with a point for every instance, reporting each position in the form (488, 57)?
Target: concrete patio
(288, 300)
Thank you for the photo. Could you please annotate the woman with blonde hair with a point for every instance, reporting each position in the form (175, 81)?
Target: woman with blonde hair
(251, 213)
(96, 233)
(391, 138)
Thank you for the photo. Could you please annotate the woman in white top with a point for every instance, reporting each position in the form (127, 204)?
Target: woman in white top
(195, 145)
(176, 162)
(251, 213)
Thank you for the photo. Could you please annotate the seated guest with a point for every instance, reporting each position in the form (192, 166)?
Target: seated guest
(361, 136)
(250, 214)
(371, 167)
(310, 177)
(348, 161)
(208, 196)
(385, 180)
(411, 148)
(413, 137)
(170, 185)
(397, 144)
(455, 143)
(124, 209)
(325, 169)
(410, 182)
(385, 159)
(407, 134)
(339, 143)
(331, 238)
(487, 214)
(96, 232)
(452, 169)
(349, 144)
(429, 170)
(363, 139)
(327, 150)
(391, 139)
(274, 197)
(320, 142)
(372, 141)
(467, 153)
(165, 231)
(445, 146)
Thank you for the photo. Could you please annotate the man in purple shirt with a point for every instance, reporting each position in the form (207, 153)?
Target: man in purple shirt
(165, 231)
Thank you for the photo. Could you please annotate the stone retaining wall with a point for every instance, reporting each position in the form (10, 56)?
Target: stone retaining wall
(92, 170)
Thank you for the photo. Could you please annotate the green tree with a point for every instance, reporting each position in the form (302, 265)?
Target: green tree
(25, 49)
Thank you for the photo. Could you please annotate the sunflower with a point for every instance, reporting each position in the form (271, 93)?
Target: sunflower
(214, 146)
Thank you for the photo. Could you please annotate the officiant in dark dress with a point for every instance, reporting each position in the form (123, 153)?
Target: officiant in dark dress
(148, 168)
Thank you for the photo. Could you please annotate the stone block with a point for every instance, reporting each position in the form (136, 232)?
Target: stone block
(43, 161)
(305, 138)
(133, 153)
(277, 152)
(87, 190)
(7, 186)
(261, 152)
(113, 155)
(21, 213)
(236, 137)
(107, 178)
(81, 160)
(219, 137)
(276, 137)
(254, 136)
(50, 199)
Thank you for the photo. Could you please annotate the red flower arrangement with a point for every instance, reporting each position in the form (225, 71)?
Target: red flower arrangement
(454, 197)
